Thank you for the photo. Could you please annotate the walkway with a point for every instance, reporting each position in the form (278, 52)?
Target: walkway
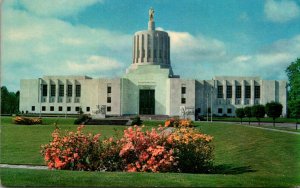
(23, 166)
(276, 130)
(255, 125)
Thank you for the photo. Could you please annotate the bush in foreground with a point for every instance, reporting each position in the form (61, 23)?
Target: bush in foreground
(157, 150)
(176, 122)
(27, 120)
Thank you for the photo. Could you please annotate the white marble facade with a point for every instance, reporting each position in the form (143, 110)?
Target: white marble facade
(148, 87)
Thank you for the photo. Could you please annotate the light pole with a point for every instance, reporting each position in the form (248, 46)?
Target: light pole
(207, 107)
(211, 92)
(211, 103)
(65, 97)
(40, 95)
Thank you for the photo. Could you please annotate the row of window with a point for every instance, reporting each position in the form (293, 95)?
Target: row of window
(238, 92)
(61, 89)
(69, 108)
(220, 110)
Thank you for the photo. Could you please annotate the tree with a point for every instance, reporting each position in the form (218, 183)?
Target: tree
(9, 101)
(293, 73)
(258, 111)
(295, 111)
(273, 110)
(248, 112)
(240, 113)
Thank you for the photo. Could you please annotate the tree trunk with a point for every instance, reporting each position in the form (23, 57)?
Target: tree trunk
(273, 122)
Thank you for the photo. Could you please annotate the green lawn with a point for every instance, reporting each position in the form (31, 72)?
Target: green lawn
(244, 156)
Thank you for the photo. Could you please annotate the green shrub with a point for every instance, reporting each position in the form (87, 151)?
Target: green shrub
(81, 119)
(136, 121)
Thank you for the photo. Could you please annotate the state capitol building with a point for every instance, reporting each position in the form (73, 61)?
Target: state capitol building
(149, 87)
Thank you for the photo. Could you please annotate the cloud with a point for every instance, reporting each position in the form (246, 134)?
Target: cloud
(244, 17)
(56, 8)
(34, 46)
(191, 48)
(94, 64)
(281, 11)
(269, 63)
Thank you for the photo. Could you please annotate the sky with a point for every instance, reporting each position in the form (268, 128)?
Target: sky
(94, 37)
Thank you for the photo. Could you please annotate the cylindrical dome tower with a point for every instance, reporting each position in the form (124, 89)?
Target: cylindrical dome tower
(151, 46)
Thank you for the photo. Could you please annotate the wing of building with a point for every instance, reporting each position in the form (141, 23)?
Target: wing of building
(148, 87)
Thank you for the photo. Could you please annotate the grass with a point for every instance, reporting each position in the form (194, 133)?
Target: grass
(244, 156)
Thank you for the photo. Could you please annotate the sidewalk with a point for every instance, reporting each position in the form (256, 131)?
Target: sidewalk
(23, 166)
(291, 126)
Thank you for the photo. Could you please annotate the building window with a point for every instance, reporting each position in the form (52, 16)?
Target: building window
(43, 108)
(61, 90)
(87, 109)
(108, 109)
(77, 108)
(51, 108)
(69, 108)
(247, 92)
(69, 93)
(77, 90)
(247, 101)
(220, 110)
(257, 92)
(154, 53)
(108, 99)
(60, 108)
(183, 90)
(182, 100)
(52, 90)
(238, 101)
(229, 92)
(45, 90)
(238, 92)
(229, 110)
(256, 101)
(108, 89)
(33, 108)
(220, 91)
(228, 101)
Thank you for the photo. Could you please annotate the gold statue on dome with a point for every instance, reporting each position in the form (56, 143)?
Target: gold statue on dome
(151, 14)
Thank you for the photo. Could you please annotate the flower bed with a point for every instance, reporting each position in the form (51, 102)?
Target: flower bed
(176, 122)
(181, 150)
(27, 120)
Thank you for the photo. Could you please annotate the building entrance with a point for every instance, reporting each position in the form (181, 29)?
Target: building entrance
(147, 101)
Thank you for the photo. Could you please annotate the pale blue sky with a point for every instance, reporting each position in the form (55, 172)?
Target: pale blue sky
(94, 37)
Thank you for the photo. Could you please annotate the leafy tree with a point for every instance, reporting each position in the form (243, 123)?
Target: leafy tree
(9, 101)
(248, 112)
(293, 73)
(240, 113)
(295, 111)
(273, 110)
(258, 111)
